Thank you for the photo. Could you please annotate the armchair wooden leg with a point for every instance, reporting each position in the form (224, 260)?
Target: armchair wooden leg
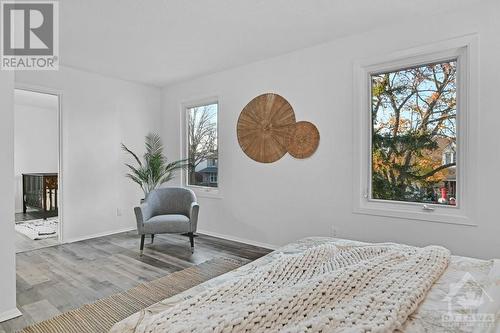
(142, 243)
(191, 240)
(152, 238)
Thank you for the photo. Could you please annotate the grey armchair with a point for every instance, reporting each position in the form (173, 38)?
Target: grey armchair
(168, 210)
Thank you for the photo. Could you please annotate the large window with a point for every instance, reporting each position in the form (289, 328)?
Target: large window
(202, 147)
(414, 134)
(415, 130)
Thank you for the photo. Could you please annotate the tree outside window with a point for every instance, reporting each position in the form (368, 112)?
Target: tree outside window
(414, 137)
(202, 145)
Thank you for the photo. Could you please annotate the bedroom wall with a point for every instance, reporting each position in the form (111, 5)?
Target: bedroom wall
(98, 113)
(7, 256)
(35, 140)
(277, 203)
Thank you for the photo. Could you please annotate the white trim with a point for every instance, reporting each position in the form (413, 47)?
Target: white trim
(10, 314)
(465, 50)
(200, 231)
(60, 125)
(202, 191)
(100, 234)
(238, 239)
(205, 191)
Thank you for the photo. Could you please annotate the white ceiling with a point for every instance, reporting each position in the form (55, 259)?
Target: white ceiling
(163, 41)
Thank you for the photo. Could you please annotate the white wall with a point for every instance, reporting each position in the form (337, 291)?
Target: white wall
(36, 140)
(98, 113)
(7, 256)
(280, 202)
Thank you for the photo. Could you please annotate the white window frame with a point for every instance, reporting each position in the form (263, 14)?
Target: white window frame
(203, 191)
(465, 50)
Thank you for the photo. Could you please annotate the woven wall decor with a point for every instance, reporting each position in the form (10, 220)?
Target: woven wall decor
(264, 126)
(303, 139)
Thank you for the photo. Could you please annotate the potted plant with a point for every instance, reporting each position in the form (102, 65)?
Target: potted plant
(154, 170)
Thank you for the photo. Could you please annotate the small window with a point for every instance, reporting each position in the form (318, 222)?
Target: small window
(447, 158)
(212, 162)
(414, 134)
(202, 145)
(213, 178)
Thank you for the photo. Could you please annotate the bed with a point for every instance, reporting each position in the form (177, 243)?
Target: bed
(465, 297)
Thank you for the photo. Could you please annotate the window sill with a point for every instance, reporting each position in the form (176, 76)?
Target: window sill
(206, 192)
(448, 215)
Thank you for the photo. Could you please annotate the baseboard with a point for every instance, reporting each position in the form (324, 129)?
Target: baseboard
(201, 231)
(238, 239)
(13, 313)
(101, 234)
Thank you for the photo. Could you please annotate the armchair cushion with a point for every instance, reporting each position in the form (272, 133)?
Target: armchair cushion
(171, 223)
(171, 200)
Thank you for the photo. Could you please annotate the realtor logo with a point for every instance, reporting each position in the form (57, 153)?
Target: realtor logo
(469, 305)
(29, 35)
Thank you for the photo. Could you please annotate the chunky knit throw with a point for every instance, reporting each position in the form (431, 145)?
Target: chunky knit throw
(327, 288)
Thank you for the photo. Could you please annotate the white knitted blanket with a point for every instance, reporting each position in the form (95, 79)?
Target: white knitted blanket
(325, 289)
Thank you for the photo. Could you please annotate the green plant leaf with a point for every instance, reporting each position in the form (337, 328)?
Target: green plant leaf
(155, 170)
(124, 148)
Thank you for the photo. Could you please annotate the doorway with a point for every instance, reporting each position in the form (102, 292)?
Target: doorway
(37, 160)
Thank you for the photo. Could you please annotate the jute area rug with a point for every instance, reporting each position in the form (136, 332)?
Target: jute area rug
(103, 314)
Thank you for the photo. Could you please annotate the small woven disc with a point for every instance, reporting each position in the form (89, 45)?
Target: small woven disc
(303, 139)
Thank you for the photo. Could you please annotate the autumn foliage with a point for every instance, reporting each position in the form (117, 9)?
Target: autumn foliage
(413, 119)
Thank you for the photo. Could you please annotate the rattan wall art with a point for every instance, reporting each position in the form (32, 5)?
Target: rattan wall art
(303, 139)
(267, 130)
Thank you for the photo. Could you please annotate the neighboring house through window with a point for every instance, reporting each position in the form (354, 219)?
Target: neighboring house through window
(202, 145)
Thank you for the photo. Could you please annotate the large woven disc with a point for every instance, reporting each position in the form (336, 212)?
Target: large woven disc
(263, 127)
(303, 139)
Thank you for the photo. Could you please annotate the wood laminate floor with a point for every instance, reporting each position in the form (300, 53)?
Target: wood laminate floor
(24, 243)
(56, 279)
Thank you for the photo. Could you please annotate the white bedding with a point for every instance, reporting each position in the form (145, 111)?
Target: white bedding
(464, 299)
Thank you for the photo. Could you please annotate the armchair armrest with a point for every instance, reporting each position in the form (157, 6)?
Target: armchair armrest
(142, 214)
(193, 215)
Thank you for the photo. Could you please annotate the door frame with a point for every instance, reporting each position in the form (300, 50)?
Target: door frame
(60, 164)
